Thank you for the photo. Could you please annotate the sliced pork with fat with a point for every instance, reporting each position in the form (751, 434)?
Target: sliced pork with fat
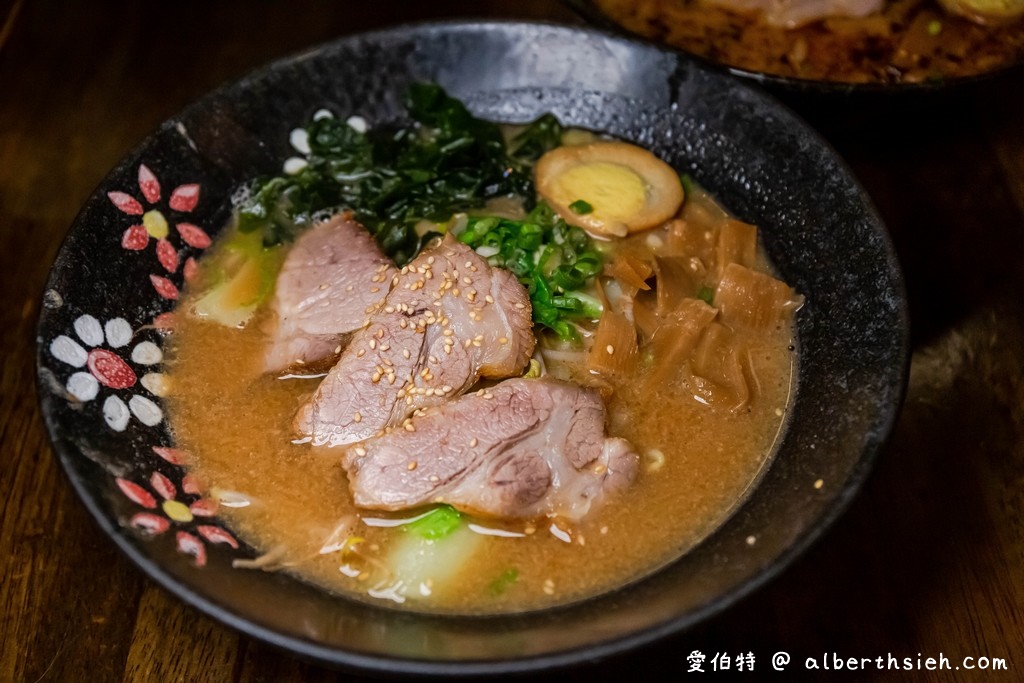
(329, 283)
(794, 13)
(449, 320)
(520, 449)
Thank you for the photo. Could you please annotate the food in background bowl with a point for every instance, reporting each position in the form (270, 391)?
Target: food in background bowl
(459, 413)
(866, 41)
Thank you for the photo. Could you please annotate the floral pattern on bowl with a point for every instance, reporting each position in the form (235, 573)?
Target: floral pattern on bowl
(110, 371)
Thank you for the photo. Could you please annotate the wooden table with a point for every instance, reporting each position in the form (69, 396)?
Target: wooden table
(929, 559)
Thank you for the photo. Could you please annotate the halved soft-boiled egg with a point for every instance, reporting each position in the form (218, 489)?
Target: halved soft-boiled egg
(610, 189)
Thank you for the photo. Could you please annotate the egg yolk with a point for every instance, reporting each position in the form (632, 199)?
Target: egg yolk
(615, 191)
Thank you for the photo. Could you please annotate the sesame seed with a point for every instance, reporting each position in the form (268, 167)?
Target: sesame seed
(503, 340)
(489, 299)
(358, 417)
(374, 290)
(409, 427)
(411, 466)
(406, 354)
(376, 377)
(819, 483)
(610, 349)
(360, 451)
(473, 442)
(373, 343)
(360, 353)
(380, 333)
(337, 349)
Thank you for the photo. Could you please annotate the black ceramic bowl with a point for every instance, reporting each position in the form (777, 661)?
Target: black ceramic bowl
(113, 285)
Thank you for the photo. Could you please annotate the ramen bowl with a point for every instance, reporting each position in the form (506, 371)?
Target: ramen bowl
(109, 306)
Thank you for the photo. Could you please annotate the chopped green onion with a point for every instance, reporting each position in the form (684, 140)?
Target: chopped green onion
(687, 182)
(436, 524)
(552, 259)
(934, 27)
(706, 294)
(581, 207)
(504, 580)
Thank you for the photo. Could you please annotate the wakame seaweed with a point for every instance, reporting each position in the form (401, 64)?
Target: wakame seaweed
(392, 178)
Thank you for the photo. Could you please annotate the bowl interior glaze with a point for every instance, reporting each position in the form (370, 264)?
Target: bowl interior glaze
(761, 161)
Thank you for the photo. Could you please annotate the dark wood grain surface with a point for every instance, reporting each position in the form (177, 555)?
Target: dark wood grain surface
(929, 559)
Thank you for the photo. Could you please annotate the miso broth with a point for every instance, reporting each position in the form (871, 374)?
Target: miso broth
(643, 302)
(700, 455)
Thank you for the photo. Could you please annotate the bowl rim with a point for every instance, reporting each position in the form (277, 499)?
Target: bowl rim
(599, 649)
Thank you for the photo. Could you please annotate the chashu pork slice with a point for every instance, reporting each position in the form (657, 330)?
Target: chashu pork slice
(330, 281)
(520, 449)
(449, 320)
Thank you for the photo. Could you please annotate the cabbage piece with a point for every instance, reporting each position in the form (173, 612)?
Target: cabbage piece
(243, 273)
(430, 553)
